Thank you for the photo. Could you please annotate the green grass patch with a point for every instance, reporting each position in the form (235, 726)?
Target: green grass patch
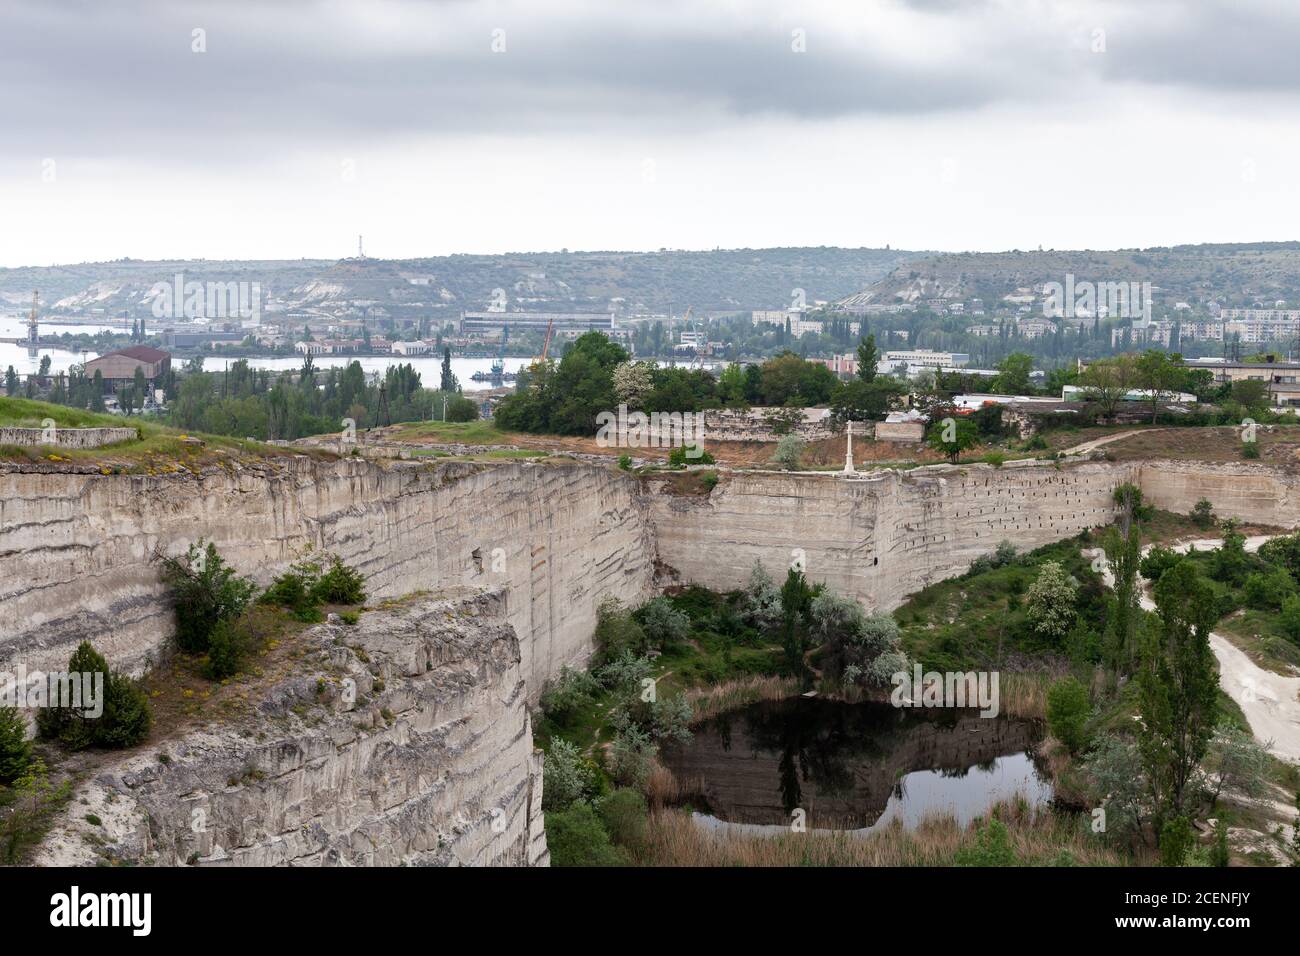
(156, 447)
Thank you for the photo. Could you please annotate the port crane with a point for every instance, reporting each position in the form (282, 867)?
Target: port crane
(33, 328)
(546, 344)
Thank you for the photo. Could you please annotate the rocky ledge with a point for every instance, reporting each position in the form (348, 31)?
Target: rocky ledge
(401, 740)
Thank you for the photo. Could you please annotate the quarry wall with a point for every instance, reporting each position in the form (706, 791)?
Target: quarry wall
(402, 740)
(76, 550)
(436, 765)
(877, 537)
(1256, 493)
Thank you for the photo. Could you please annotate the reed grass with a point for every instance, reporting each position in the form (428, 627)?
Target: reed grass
(709, 702)
(1039, 837)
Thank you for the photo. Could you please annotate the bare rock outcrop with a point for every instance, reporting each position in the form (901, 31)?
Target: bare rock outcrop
(401, 740)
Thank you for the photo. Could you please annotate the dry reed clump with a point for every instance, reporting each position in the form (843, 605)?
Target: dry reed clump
(1024, 694)
(709, 702)
(1037, 838)
(662, 788)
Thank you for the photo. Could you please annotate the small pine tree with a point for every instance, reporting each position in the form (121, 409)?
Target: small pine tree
(65, 724)
(1203, 514)
(127, 718)
(15, 748)
(124, 722)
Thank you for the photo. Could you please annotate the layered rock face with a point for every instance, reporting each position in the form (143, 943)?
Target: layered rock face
(1254, 493)
(877, 538)
(66, 437)
(559, 537)
(438, 767)
(402, 740)
(78, 549)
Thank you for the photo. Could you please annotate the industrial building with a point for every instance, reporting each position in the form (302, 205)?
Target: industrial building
(118, 368)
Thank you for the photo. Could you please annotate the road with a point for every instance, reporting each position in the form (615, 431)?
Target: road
(1271, 702)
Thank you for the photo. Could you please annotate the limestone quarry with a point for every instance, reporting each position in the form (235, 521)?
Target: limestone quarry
(498, 569)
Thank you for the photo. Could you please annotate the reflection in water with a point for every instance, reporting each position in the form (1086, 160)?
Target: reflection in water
(852, 766)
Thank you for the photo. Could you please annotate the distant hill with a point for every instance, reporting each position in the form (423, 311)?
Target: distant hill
(1232, 274)
(627, 282)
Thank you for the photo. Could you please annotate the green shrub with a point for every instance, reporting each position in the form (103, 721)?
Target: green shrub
(340, 584)
(15, 748)
(292, 591)
(1267, 590)
(567, 776)
(228, 648)
(789, 453)
(626, 817)
(631, 757)
(576, 838)
(1250, 449)
(667, 718)
(126, 717)
(1219, 855)
(678, 458)
(568, 693)
(1067, 713)
(625, 462)
(624, 673)
(34, 802)
(1289, 619)
(709, 479)
(617, 632)
(1051, 602)
(461, 409)
(204, 591)
(992, 847)
(1157, 561)
(311, 582)
(1202, 514)
(1176, 840)
(663, 624)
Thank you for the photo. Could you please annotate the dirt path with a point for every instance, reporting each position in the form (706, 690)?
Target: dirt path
(1271, 702)
(1098, 442)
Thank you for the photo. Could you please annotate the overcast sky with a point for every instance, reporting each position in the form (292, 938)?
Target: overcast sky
(284, 128)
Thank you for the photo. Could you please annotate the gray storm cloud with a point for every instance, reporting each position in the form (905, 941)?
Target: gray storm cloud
(121, 79)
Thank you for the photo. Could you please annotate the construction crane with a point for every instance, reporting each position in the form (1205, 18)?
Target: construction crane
(499, 366)
(33, 329)
(546, 344)
(699, 353)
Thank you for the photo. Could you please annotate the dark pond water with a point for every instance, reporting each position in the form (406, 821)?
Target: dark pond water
(854, 766)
